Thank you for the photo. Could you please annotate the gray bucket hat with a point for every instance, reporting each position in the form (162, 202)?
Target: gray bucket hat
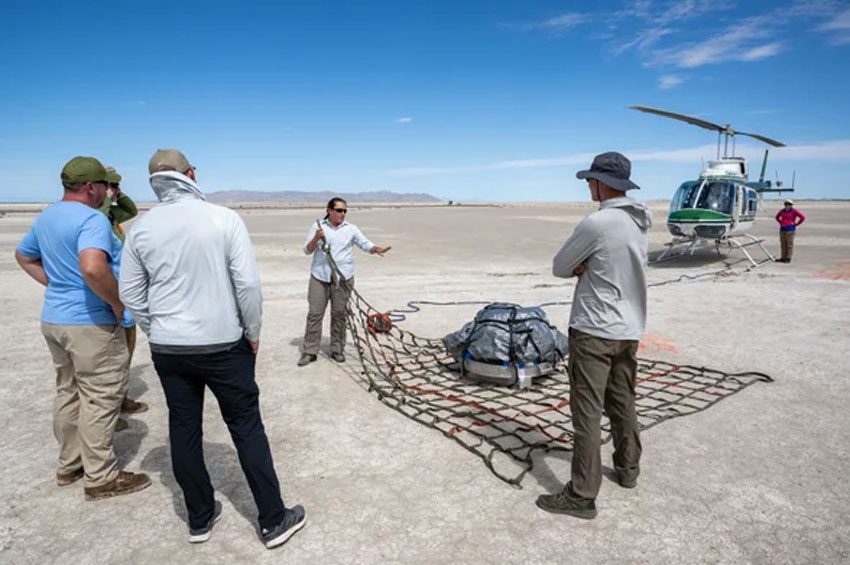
(612, 168)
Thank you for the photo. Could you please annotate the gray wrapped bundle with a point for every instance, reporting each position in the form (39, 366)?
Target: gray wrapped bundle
(508, 333)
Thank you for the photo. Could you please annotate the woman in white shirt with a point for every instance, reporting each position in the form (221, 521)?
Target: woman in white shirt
(341, 237)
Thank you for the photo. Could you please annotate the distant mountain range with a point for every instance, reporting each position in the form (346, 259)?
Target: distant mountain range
(324, 196)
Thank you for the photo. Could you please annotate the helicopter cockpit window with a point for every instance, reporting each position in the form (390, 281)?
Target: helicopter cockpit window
(685, 196)
(717, 196)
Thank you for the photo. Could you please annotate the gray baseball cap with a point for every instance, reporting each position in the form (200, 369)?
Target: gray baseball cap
(612, 168)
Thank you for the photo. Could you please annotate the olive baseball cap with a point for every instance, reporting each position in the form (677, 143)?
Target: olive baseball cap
(112, 175)
(83, 169)
(168, 160)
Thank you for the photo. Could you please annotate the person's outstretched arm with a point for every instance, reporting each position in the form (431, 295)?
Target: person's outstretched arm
(363, 243)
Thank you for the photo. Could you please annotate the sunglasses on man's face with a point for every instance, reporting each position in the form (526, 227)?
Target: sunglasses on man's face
(340, 210)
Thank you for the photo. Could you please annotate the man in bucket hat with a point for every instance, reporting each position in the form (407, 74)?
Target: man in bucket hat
(607, 252)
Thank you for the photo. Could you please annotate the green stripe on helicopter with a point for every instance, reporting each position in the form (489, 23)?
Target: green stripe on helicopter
(696, 215)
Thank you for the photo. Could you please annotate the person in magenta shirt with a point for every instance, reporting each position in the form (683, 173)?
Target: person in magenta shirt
(789, 218)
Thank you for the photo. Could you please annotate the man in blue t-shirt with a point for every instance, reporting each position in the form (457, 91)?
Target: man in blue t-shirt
(71, 249)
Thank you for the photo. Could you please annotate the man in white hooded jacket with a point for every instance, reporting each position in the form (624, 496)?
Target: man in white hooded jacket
(607, 251)
(189, 277)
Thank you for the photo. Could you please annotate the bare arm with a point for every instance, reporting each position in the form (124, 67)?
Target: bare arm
(32, 266)
(98, 276)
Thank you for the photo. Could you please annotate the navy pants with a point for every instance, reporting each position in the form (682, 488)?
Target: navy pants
(230, 376)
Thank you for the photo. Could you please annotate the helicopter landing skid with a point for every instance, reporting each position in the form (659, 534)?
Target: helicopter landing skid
(682, 246)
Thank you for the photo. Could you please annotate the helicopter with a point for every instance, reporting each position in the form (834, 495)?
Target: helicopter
(720, 206)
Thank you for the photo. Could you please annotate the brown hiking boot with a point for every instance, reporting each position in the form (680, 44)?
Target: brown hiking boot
(121, 425)
(129, 406)
(65, 479)
(124, 483)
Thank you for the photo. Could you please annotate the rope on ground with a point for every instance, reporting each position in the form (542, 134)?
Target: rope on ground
(413, 306)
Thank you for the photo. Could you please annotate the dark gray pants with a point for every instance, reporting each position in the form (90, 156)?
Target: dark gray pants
(318, 295)
(786, 243)
(230, 375)
(602, 376)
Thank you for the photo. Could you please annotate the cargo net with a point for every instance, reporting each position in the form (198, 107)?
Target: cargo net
(505, 426)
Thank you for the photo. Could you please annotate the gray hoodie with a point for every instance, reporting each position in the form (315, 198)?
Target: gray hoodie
(610, 297)
(188, 272)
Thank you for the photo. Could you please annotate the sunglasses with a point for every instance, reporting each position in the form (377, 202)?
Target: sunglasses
(113, 185)
(340, 210)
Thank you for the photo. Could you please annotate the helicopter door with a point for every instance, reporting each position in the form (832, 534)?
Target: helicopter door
(738, 207)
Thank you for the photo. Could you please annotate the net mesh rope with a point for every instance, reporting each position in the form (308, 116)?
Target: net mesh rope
(507, 427)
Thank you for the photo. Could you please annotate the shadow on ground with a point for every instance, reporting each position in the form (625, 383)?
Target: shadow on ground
(543, 473)
(137, 385)
(225, 473)
(127, 443)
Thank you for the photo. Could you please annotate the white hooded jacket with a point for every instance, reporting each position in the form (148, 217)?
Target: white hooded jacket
(610, 297)
(188, 272)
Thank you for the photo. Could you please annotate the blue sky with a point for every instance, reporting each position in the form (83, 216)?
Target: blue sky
(485, 100)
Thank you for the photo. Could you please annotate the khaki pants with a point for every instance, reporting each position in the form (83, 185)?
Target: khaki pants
(602, 376)
(91, 378)
(318, 295)
(786, 243)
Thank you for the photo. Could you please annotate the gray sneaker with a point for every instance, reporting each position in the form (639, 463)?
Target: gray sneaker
(200, 535)
(565, 502)
(306, 359)
(294, 519)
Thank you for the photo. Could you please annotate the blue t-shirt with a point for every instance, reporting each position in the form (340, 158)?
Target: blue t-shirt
(57, 237)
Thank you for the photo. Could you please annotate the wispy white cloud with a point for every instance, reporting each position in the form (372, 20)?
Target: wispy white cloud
(404, 120)
(736, 43)
(557, 25)
(678, 33)
(837, 150)
(839, 27)
(667, 82)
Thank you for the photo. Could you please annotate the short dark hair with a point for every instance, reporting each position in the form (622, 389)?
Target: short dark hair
(73, 186)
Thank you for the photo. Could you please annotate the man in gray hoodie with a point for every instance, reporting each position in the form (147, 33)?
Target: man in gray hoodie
(607, 252)
(190, 279)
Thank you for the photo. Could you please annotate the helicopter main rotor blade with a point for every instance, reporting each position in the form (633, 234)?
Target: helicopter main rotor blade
(762, 138)
(689, 119)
